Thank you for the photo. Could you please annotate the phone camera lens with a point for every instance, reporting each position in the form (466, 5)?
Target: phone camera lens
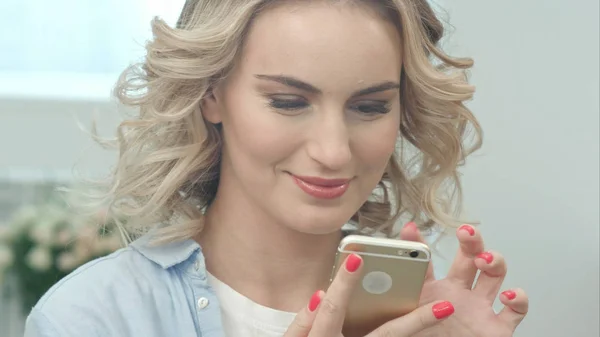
(414, 253)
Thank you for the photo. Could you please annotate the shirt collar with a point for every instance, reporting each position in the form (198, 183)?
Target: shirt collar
(166, 255)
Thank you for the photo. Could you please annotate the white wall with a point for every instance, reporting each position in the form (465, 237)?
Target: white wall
(534, 185)
(40, 139)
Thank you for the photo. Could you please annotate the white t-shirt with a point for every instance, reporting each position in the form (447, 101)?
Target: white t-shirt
(244, 318)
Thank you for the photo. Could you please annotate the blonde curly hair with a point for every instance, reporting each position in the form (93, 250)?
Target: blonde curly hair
(168, 166)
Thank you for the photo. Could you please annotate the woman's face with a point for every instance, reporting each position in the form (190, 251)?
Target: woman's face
(310, 114)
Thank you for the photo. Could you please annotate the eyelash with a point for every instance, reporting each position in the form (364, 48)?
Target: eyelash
(378, 108)
(287, 104)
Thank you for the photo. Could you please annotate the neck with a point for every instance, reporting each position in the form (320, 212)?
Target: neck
(267, 262)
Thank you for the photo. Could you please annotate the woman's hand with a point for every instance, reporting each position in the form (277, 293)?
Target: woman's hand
(324, 315)
(473, 301)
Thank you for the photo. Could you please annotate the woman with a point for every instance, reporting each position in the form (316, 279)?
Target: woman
(264, 127)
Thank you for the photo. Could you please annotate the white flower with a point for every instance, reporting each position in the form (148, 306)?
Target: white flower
(82, 250)
(66, 262)
(88, 233)
(5, 233)
(6, 257)
(39, 259)
(63, 238)
(41, 234)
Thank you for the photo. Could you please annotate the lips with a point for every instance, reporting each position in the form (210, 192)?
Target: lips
(322, 188)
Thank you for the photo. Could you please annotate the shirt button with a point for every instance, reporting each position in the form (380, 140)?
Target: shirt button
(202, 302)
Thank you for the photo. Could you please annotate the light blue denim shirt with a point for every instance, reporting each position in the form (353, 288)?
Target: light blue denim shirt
(140, 290)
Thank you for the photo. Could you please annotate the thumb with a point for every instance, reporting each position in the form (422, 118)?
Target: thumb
(415, 321)
(302, 324)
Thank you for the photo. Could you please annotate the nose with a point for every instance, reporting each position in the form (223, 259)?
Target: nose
(329, 144)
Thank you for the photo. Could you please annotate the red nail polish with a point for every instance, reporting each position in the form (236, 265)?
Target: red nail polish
(487, 257)
(411, 225)
(510, 294)
(353, 262)
(443, 310)
(467, 228)
(314, 301)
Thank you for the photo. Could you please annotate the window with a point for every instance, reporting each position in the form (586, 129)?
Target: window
(73, 47)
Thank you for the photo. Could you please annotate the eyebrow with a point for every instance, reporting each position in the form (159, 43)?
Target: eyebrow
(298, 84)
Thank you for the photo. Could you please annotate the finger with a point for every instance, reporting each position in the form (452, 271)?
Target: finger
(516, 305)
(493, 271)
(416, 321)
(332, 310)
(303, 322)
(410, 232)
(463, 269)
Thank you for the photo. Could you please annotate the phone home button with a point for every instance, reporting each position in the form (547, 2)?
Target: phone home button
(377, 282)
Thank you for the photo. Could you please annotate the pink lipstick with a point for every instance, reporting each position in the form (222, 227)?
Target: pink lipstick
(322, 188)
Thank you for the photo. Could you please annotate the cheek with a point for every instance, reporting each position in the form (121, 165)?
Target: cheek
(257, 136)
(376, 143)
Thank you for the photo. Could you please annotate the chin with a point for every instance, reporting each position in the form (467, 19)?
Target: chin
(317, 224)
(317, 218)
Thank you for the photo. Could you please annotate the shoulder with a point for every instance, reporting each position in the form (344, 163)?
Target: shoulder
(108, 296)
(120, 271)
(83, 299)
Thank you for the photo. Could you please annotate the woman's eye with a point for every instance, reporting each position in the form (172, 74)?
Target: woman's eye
(372, 108)
(287, 104)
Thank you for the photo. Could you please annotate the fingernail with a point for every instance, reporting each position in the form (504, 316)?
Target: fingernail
(314, 301)
(443, 310)
(467, 228)
(509, 294)
(411, 225)
(353, 262)
(487, 257)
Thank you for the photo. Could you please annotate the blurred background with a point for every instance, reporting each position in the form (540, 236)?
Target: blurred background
(58, 63)
(534, 185)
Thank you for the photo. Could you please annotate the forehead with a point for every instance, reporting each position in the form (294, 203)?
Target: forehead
(324, 42)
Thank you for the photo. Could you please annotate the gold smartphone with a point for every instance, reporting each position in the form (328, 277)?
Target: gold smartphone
(392, 278)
